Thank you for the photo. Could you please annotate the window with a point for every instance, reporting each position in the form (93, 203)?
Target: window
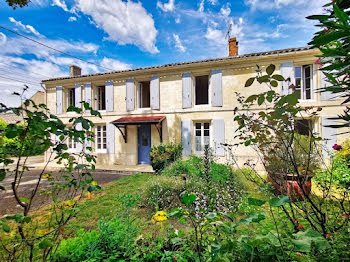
(202, 90)
(201, 136)
(144, 94)
(304, 126)
(101, 98)
(101, 138)
(71, 144)
(70, 97)
(303, 81)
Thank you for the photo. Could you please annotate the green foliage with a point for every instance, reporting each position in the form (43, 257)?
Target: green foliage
(163, 155)
(113, 240)
(17, 3)
(333, 40)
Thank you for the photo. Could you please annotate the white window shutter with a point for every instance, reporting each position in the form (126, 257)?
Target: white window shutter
(59, 100)
(88, 93)
(155, 92)
(109, 96)
(110, 133)
(216, 85)
(186, 90)
(130, 94)
(326, 96)
(186, 137)
(77, 91)
(219, 136)
(287, 72)
(329, 134)
(79, 146)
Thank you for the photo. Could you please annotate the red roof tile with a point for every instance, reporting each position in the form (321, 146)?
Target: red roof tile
(134, 120)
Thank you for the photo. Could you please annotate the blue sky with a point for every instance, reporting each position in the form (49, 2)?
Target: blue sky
(120, 34)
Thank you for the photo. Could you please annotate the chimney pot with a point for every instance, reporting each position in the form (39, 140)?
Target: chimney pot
(232, 47)
(74, 70)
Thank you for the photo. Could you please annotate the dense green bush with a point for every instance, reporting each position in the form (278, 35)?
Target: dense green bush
(114, 240)
(194, 167)
(163, 155)
(13, 146)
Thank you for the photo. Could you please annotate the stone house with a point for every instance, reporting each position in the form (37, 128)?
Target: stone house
(190, 102)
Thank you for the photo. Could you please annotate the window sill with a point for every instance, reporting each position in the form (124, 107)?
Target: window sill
(101, 151)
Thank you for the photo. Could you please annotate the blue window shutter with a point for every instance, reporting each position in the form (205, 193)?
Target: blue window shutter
(326, 96)
(186, 137)
(155, 92)
(287, 72)
(130, 95)
(77, 91)
(59, 100)
(186, 90)
(110, 133)
(329, 134)
(78, 127)
(216, 85)
(219, 136)
(109, 96)
(88, 93)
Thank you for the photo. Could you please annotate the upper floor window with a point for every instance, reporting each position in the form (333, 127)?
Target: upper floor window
(101, 98)
(201, 136)
(101, 138)
(303, 82)
(202, 90)
(70, 97)
(144, 97)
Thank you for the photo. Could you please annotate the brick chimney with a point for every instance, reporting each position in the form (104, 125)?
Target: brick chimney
(74, 70)
(232, 47)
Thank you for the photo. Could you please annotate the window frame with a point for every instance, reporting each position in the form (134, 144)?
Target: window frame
(100, 99)
(314, 125)
(303, 79)
(102, 144)
(195, 88)
(202, 137)
(71, 144)
(70, 91)
(139, 95)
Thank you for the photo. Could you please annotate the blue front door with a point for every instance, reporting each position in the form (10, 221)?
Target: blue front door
(144, 143)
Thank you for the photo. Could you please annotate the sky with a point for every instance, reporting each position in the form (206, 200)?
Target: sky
(116, 34)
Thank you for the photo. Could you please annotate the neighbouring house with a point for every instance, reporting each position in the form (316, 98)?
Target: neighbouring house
(11, 118)
(189, 102)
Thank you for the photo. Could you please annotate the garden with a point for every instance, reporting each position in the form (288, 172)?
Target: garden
(195, 208)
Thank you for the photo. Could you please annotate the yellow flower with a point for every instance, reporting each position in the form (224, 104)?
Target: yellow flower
(160, 216)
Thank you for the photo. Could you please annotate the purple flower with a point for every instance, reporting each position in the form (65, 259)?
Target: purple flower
(337, 147)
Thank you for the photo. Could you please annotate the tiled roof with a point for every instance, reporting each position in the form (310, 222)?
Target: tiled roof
(259, 54)
(134, 120)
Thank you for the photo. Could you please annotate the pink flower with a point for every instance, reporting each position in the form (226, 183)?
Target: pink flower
(337, 147)
(328, 235)
(296, 220)
(300, 255)
(318, 62)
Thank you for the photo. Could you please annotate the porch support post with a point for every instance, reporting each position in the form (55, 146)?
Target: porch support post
(125, 133)
(159, 127)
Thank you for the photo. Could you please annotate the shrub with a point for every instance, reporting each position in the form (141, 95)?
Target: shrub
(163, 155)
(113, 241)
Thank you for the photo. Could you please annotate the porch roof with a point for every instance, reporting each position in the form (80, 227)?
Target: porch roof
(138, 120)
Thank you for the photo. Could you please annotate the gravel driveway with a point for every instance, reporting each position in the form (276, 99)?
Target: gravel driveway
(8, 203)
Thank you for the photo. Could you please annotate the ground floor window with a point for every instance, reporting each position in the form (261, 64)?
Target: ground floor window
(101, 138)
(304, 126)
(201, 136)
(71, 144)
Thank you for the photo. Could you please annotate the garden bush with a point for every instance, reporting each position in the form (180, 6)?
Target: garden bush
(163, 155)
(114, 240)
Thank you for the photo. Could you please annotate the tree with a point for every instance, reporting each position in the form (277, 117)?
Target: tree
(333, 40)
(17, 3)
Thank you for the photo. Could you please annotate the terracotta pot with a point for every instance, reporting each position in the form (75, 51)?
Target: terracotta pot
(290, 185)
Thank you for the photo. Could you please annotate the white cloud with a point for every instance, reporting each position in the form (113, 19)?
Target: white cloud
(124, 22)
(3, 38)
(72, 19)
(177, 20)
(178, 43)
(60, 3)
(25, 28)
(225, 10)
(114, 64)
(201, 6)
(213, 2)
(166, 7)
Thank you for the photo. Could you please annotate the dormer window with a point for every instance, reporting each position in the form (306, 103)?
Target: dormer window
(303, 81)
